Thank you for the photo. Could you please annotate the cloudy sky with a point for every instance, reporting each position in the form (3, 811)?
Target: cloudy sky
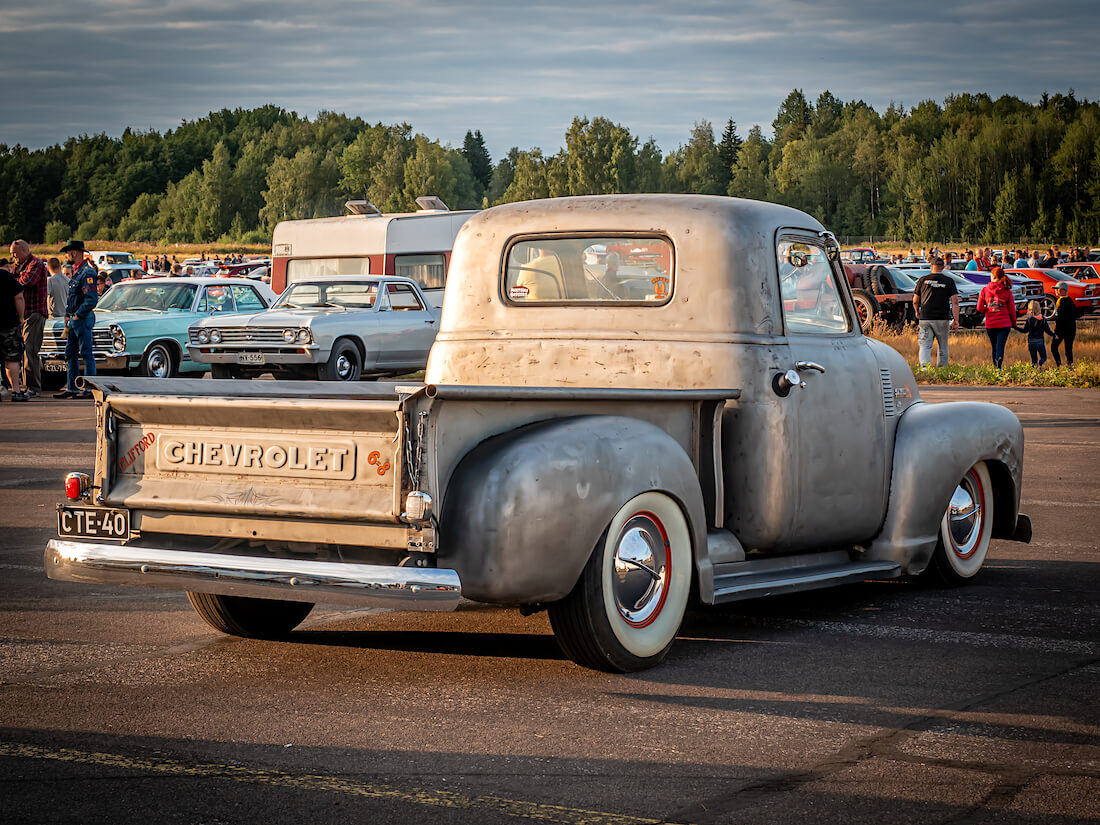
(520, 71)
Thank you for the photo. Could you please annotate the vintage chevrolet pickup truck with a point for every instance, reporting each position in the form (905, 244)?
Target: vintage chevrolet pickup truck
(633, 402)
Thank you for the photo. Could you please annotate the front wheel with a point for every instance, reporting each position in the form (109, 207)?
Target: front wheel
(626, 608)
(344, 363)
(248, 617)
(159, 362)
(965, 529)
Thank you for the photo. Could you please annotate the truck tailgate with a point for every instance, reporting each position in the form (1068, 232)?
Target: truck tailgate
(291, 449)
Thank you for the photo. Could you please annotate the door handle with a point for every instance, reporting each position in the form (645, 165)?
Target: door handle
(805, 366)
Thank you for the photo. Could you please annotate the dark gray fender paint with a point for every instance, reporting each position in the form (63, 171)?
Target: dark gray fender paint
(524, 510)
(935, 445)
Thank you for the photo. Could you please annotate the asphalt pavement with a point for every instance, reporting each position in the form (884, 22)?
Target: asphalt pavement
(879, 702)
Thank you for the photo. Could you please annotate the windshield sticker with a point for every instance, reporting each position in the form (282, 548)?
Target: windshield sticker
(518, 293)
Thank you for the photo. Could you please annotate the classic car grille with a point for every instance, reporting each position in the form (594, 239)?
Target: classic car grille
(51, 342)
(243, 337)
(887, 393)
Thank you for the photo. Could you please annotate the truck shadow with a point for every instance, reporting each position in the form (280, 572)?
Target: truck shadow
(453, 643)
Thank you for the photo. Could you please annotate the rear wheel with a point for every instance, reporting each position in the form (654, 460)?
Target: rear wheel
(867, 307)
(626, 608)
(1046, 303)
(965, 529)
(247, 617)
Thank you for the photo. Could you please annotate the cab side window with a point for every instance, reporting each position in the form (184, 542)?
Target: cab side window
(402, 297)
(807, 284)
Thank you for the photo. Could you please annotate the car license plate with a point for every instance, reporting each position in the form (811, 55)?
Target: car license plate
(55, 366)
(93, 523)
(250, 357)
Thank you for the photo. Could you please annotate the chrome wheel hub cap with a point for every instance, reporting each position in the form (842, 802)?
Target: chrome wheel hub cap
(158, 363)
(642, 566)
(343, 367)
(964, 517)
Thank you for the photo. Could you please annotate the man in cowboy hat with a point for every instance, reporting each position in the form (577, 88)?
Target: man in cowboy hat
(79, 319)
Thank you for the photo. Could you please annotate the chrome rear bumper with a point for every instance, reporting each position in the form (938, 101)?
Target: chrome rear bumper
(363, 585)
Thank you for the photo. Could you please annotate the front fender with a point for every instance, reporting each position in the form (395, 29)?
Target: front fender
(935, 445)
(524, 510)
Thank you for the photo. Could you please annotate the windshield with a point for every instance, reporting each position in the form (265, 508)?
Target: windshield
(902, 279)
(347, 294)
(118, 258)
(151, 297)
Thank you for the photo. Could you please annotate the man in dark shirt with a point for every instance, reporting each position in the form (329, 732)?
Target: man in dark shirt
(12, 308)
(936, 304)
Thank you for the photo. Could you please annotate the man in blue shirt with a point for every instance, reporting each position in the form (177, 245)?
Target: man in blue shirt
(971, 263)
(79, 319)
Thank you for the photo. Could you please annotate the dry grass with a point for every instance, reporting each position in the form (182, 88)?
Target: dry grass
(179, 250)
(971, 361)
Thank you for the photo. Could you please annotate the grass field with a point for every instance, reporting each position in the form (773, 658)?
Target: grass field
(971, 360)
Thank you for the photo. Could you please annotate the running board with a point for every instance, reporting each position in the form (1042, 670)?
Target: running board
(758, 579)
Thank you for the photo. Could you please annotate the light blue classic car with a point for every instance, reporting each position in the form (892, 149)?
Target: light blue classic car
(141, 326)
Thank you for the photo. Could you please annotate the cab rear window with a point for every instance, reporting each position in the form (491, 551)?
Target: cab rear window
(589, 270)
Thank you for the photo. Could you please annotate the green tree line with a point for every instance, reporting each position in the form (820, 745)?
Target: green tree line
(969, 169)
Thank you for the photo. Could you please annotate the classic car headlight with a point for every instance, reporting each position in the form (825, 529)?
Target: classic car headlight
(215, 336)
(304, 336)
(118, 338)
(203, 336)
(288, 336)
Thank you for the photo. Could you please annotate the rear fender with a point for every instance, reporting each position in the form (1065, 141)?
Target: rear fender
(524, 510)
(935, 445)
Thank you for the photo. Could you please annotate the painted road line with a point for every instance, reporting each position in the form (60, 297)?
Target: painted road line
(333, 784)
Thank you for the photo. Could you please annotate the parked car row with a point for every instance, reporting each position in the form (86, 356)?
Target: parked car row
(141, 326)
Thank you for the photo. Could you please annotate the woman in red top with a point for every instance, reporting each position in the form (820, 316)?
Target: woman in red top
(995, 300)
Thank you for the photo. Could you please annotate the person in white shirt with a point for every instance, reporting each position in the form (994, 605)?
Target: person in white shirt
(57, 286)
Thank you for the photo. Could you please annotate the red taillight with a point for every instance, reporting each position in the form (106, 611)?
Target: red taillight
(77, 485)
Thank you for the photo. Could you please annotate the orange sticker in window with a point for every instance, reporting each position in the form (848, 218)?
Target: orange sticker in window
(660, 286)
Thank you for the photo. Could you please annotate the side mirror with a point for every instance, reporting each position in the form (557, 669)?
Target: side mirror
(832, 246)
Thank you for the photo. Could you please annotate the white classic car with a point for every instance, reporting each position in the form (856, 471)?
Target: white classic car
(331, 328)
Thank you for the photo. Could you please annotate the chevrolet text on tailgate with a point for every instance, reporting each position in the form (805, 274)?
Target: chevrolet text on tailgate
(633, 401)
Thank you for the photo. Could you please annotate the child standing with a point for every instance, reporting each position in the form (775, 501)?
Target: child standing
(1035, 326)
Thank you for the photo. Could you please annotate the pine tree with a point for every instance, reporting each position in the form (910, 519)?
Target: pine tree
(728, 148)
(473, 147)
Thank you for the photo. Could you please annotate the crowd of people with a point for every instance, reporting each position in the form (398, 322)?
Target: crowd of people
(985, 259)
(33, 290)
(936, 305)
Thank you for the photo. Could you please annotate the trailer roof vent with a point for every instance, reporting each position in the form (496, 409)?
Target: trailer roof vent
(362, 208)
(431, 203)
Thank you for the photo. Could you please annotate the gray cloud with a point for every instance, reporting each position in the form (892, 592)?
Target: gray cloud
(519, 72)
